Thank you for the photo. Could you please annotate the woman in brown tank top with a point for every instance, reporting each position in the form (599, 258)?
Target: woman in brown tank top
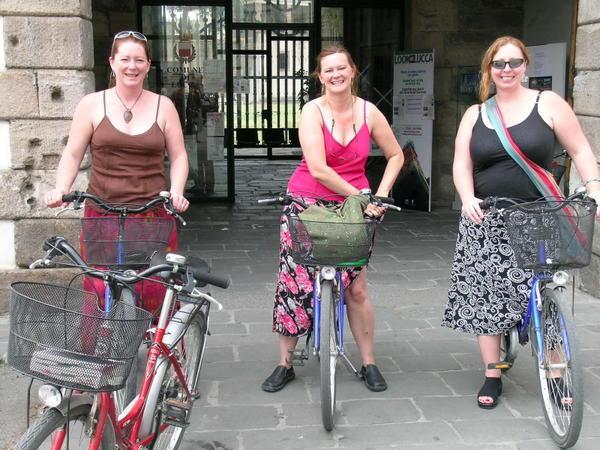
(128, 129)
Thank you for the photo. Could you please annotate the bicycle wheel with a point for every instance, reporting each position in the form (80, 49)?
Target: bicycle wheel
(191, 351)
(560, 373)
(328, 353)
(40, 433)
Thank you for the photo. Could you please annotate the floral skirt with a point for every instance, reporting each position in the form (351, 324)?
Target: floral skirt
(488, 293)
(293, 307)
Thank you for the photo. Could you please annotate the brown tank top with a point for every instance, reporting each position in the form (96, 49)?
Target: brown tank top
(127, 168)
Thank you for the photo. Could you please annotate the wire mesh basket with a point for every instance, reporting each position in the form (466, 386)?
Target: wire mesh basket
(552, 233)
(59, 335)
(115, 241)
(331, 244)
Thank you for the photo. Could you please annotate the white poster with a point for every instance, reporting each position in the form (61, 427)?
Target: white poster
(548, 67)
(214, 75)
(413, 115)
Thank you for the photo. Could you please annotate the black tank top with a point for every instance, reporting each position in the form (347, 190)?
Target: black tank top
(495, 172)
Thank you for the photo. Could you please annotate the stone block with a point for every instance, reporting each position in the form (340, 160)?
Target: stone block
(586, 93)
(19, 94)
(51, 276)
(446, 120)
(49, 42)
(444, 84)
(47, 7)
(30, 234)
(591, 129)
(24, 190)
(588, 11)
(37, 144)
(587, 55)
(441, 15)
(588, 277)
(61, 90)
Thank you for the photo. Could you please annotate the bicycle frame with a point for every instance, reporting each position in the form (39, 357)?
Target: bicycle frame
(132, 416)
(534, 313)
(340, 312)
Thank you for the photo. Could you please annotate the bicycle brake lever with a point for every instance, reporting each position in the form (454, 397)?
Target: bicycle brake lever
(62, 210)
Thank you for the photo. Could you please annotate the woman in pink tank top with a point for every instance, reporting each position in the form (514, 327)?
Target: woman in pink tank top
(335, 134)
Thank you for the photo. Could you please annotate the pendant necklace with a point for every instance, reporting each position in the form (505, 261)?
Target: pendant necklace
(128, 114)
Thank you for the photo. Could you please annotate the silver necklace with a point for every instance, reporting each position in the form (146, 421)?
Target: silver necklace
(128, 114)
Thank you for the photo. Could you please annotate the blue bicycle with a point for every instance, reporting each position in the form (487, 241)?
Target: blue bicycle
(546, 236)
(329, 257)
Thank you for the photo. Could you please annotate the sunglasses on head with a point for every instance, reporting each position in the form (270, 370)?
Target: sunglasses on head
(134, 34)
(513, 63)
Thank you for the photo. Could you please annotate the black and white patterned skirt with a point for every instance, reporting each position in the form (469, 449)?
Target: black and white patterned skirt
(488, 293)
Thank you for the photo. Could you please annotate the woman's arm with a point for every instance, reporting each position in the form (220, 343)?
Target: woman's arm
(313, 149)
(179, 168)
(568, 131)
(80, 134)
(462, 167)
(383, 136)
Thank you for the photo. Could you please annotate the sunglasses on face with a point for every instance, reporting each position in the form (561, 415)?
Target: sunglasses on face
(513, 63)
(134, 34)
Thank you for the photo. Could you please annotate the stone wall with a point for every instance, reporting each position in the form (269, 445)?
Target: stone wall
(46, 60)
(586, 101)
(459, 31)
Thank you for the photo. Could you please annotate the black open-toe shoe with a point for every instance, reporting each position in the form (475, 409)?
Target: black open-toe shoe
(492, 387)
(560, 393)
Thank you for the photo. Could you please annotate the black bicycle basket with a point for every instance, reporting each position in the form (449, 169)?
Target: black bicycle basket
(117, 241)
(552, 233)
(59, 335)
(332, 244)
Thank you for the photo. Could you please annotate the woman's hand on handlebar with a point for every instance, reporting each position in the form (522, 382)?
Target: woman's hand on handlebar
(179, 202)
(372, 210)
(54, 198)
(472, 210)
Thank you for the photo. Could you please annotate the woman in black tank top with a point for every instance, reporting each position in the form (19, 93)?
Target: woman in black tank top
(488, 292)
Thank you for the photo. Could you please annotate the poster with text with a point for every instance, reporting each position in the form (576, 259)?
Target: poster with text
(413, 115)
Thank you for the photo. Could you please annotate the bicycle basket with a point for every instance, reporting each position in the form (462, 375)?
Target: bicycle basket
(59, 335)
(551, 234)
(333, 244)
(114, 241)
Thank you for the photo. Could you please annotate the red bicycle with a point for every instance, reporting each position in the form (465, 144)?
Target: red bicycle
(83, 353)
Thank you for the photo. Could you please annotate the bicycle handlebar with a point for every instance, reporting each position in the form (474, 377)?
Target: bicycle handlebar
(164, 198)
(489, 202)
(286, 199)
(58, 245)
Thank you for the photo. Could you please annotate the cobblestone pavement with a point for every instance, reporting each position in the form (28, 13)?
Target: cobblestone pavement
(433, 373)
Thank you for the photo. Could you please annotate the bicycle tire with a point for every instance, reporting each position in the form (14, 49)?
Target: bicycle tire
(191, 343)
(327, 354)
(509, 347)
(39, 434)
(558, 328)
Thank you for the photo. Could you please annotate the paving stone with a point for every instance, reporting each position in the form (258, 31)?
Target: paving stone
(483, 431)
(235, 418)
(421, 433)
(454, 408)
(377, 412)
(210, 440)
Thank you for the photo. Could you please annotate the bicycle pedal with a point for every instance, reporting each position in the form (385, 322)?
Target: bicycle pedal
(175, 412)
(298, 357)
(502, 365)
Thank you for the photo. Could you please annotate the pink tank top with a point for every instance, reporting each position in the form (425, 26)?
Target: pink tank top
(347, 160)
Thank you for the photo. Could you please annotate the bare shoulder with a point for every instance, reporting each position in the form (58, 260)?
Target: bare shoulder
(470, 115)
(312, 110)
(551, 99)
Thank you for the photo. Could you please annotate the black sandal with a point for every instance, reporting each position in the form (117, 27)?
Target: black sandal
(492, 387)
(560, 393)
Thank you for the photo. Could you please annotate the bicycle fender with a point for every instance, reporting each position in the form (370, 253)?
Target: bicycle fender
(76, 400)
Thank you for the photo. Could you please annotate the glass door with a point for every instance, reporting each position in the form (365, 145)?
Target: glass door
(189, 66)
